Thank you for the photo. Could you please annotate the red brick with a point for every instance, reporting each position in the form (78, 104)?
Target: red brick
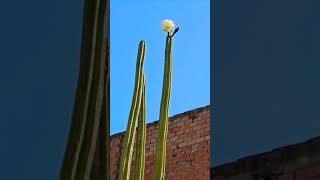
(187, 144)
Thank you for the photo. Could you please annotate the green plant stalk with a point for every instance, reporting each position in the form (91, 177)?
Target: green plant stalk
(100, 168)
(126, 155)
(90, 36)
(164, 108)
(92, 122)
(141, 140)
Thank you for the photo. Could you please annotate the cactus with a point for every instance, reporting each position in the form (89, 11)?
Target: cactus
(101, 159)
(85, 124)
(164, 108)
(141, 139)
(138, 108)
(124, 171)
(105, 122)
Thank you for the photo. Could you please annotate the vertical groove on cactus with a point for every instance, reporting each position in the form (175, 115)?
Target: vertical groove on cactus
(83, 89)
(141, 138)
(164, 108)
(124, 171)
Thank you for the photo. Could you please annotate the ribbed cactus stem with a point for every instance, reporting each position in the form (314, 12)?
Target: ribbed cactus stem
(126, 155)
(100, 168)
(164, 113)
(92, 122)
(78, 157)
(141, 139)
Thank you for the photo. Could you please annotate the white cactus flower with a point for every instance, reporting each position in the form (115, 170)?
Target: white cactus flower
(167, 25)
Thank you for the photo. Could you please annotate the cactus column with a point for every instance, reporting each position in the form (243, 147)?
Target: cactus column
(141, 138)
(86, 118)
(164, 107)
(126, 155)
(163, 118)
(101, 160)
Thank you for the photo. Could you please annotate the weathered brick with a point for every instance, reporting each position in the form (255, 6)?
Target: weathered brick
(199, 140)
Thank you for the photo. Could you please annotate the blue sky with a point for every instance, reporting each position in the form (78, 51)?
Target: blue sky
(141, 20)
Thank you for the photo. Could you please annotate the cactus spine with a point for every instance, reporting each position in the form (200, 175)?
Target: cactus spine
(124, 171)
(141, 140)
(164, 108)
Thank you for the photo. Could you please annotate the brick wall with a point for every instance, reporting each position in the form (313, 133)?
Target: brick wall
(294, 162)
(188, 147)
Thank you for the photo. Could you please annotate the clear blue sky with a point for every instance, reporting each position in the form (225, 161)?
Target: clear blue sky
(141, 20)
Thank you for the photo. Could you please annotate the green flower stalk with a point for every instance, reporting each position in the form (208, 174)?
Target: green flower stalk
(125, 164)
(141, 139)
(167, 26)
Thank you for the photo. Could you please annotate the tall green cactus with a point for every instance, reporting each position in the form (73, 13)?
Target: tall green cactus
(141, 140)
(164, 111)
(138, 110)
(124, 171)
(85, 124)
